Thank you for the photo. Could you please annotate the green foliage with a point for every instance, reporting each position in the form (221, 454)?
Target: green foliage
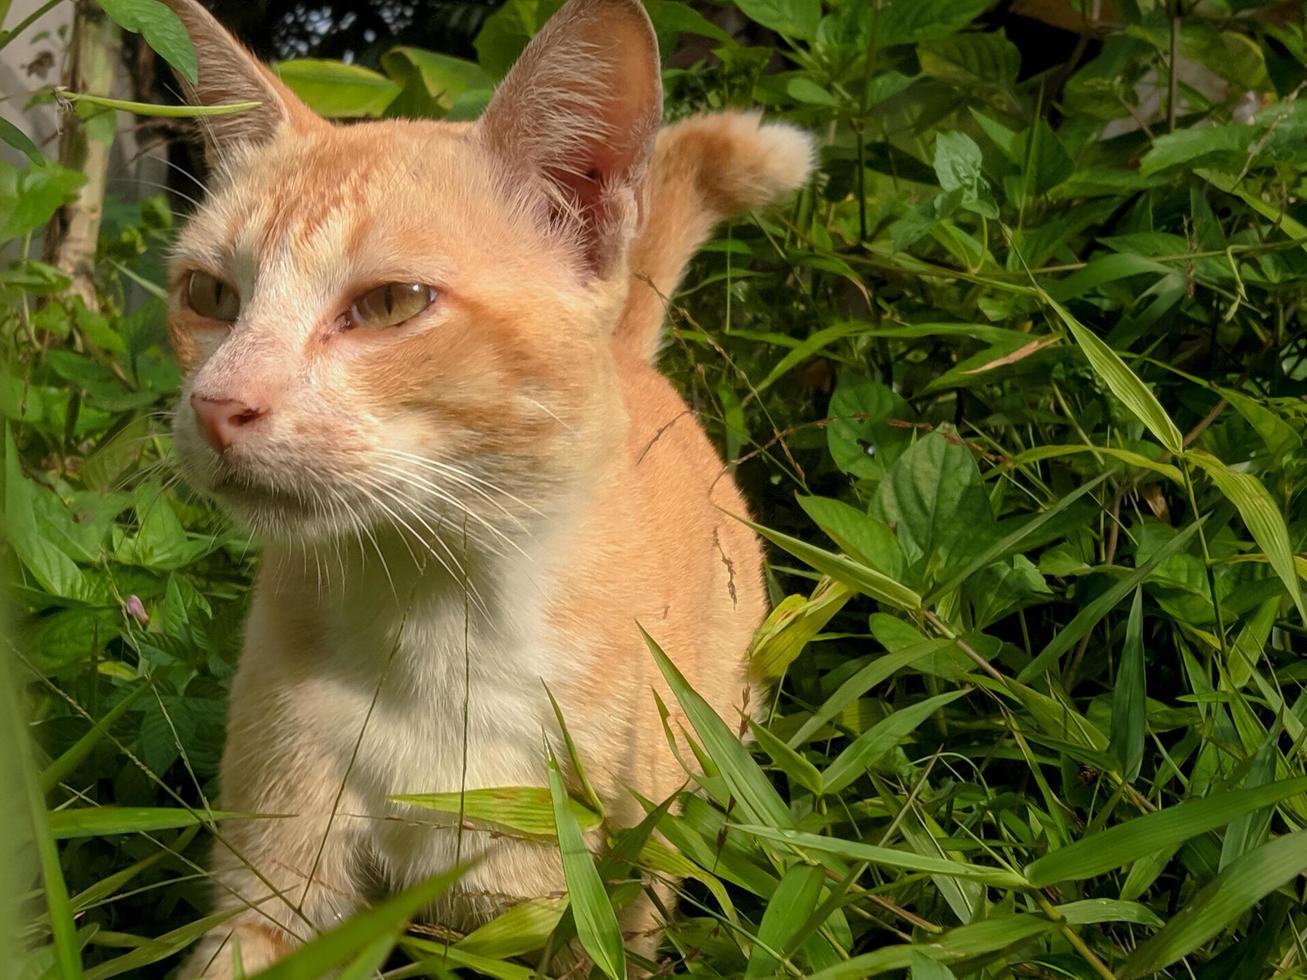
(1023, 350)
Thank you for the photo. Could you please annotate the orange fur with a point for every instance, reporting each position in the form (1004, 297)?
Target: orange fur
(476, 503)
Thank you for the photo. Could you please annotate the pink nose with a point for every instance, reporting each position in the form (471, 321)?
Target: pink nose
(220, 420)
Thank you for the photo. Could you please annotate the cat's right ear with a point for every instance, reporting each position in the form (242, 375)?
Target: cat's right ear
(227, 73)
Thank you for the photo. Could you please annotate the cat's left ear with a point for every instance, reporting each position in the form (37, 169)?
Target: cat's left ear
(228, 73)
(575, 122)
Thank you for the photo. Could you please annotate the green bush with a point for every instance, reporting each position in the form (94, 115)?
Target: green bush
(1016, 387)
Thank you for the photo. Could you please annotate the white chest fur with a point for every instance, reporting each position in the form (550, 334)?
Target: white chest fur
(433, 696)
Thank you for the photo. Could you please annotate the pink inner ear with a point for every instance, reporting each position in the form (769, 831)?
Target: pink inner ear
(580, 109)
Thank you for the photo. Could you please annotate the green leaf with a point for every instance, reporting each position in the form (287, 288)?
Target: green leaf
(968, 60)
(787, 912)
(853, 574)
(858, 535)
(28, 199)
(957, 166)
(523, 928)
(20, 141)
(99, 821)
(933, 498)
(791, 624)
(1129, 707)
(1261, 516)
(320, 955)
(793, 18)
(161, 947)
(440, 80)
(161, 28)
(908, 21)
(749, 785)
(525, 810)
(799, 769)
(596, 922)
(1089, 911)
(62, 767)
(1189, 147)
(1121, 381)
(887, 857)
(878, 740)
(1008, 544)
(1134, 839)
(955, 946)
(1087, 618)
(1219, 905)
(858, 436)
(338, 90)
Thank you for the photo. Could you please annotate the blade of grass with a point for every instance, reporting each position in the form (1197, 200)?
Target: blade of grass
(596, 923)
(1225, 898)
(1128, 695)
(100, 821)
(1134, 839)
(885, 856)
(747, 782)
(1088, 617)
(878, 740)
(62, 767)
(319, 956)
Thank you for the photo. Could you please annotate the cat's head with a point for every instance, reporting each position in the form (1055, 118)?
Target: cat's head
(390, 322)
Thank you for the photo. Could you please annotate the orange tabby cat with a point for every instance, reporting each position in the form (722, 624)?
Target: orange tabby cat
(418, 365)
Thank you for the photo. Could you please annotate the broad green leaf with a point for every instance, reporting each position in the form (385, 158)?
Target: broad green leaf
(1261, 516)
(859, 436)
(933, 498)
(1129, 707)
(1008, 544)
(858, 535)
(787, 912)
(1121, 381)
(925, 968)
(877, 741)
(1137, 838)
(596, 922)
(161, 28)
(793, 18)
(1219, 905)
(99, 821)
(321, 954)
(1190, 147)
(523, 928)
(439, 79)
(338, 90)
(971, 60)
(525, 810)
(843, 569)
(885, 856)
(909, 21)
(28, 199)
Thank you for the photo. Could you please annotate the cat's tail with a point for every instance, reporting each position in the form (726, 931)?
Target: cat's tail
(705, 169)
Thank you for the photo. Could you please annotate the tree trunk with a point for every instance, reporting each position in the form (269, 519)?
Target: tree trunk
(84, 145)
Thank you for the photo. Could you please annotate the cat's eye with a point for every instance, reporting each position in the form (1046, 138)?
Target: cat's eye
(390, 304)
(212, 298)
